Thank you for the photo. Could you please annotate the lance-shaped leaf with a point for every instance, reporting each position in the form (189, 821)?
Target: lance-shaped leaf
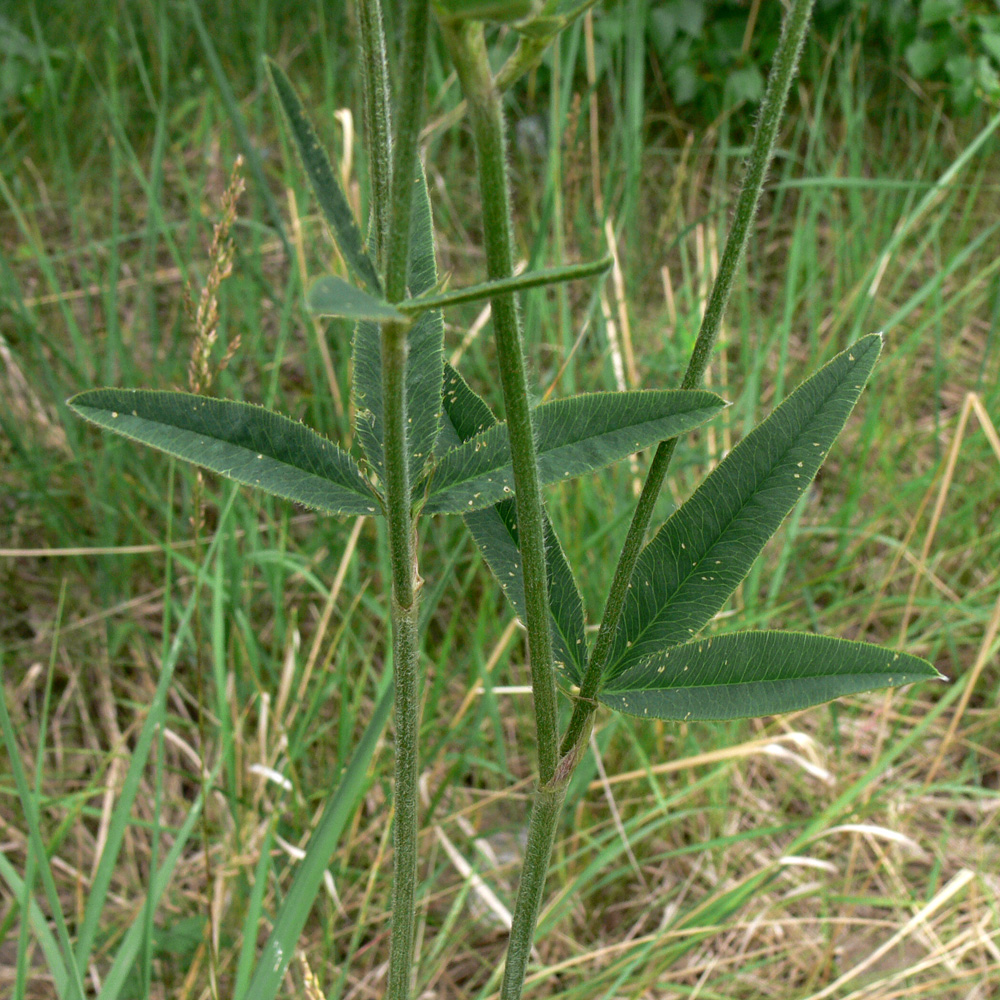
(749, 674)
(330, 195)
(495, 532)
(573, 435)
(697, 559)
(332, 296)
(250, 444)
(425, 357)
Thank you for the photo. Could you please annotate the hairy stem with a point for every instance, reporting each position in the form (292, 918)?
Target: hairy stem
(546, 806)
(405, 631)
(779, 81)
(468, 50)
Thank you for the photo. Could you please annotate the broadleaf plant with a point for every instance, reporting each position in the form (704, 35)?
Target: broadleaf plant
(495, 532)
(697, 559)
(754, 673)
(433, 446)
(246, 443)
(574, 436)
(424, 345)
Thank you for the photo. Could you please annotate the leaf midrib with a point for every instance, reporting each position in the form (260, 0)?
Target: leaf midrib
(572, 442)
(609, 670)
(550, 453)
(339, 453)
(618, 692)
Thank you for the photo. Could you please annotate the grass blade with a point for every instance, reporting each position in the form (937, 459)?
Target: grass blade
(697, 559)
(29, 803)
(283, 940)
(751, 674)
(101, 882)
(254, 911)
(247, 443)
(239, 126)
(574, 435)
(38, 924)
(118, 974)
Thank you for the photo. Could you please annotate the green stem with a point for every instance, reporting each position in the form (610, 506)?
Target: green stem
(405, 632)
(406, 722)
(517, 283)
(468, 50)
(793, 33)
(546, 807)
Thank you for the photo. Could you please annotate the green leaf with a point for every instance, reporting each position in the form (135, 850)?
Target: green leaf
(425, 355)
(934, 12)
(697, 559)
(518, 283)
(283, 940)
(483, 10)
(243, 442)
(925, 56)
(332, 296)
(990, 41)
(573, 435)
(495, 532)
(749, 674)
(332, 200)
(39, 926)
(116, 978)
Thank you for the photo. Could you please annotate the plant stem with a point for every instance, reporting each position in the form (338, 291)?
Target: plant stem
(406, 722)
(468, 50)
(405, 587)
(546, 806)
(793, 33)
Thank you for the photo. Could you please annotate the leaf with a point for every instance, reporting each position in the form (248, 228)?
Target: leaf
(495, 532)
(517, 283)
(283, 940)
(39, 926)
(573, 435)
(749, 674)
(924, 56)
(247, 443)
(332, 200)
(934, 12)
(484, 10)
(699, 556)
(425, 357)
(332, 296)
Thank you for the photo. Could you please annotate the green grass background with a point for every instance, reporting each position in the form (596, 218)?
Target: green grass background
(117, 137)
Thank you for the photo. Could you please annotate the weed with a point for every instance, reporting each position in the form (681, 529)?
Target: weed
(432, 446)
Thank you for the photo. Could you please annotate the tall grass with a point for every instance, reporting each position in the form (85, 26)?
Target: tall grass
(115, 150)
